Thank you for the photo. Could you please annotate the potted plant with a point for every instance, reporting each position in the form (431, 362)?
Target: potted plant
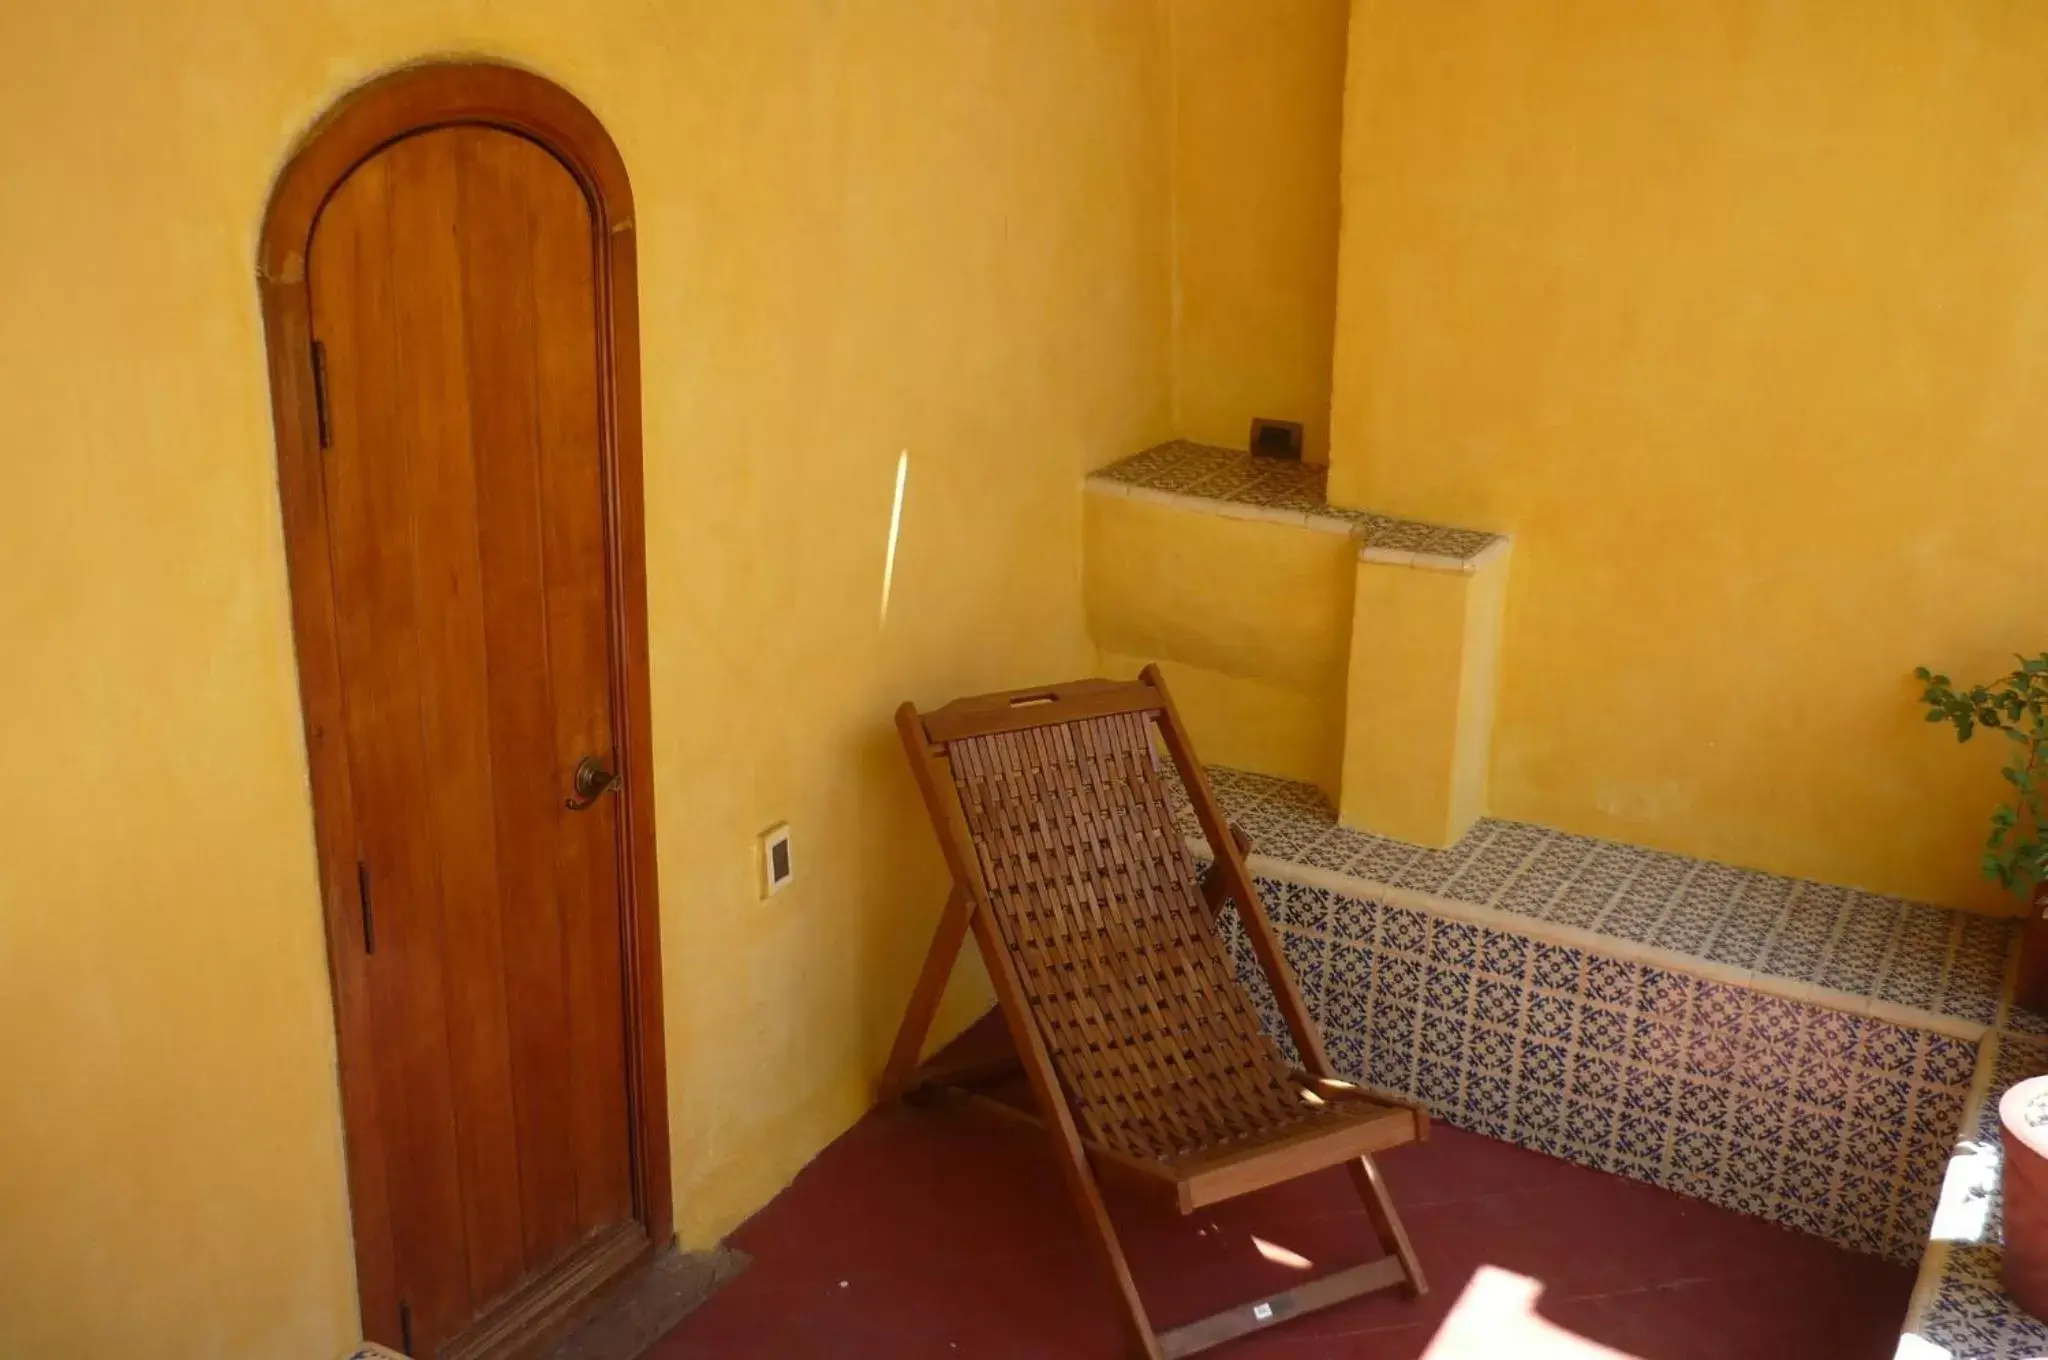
(2016, 852)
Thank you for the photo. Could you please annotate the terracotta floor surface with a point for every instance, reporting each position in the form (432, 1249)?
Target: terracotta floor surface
(937, 1234)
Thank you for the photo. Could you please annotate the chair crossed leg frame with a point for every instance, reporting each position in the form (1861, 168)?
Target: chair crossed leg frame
(1082, 1164)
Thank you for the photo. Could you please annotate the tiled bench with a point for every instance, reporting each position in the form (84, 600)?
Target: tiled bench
(1787, 1049)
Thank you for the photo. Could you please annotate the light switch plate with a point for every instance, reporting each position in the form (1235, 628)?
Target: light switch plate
(777, 865)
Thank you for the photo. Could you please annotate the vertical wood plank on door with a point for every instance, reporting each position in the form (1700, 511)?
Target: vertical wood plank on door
(510, 318)
(367, 489)
(580, 658)
(441, 522)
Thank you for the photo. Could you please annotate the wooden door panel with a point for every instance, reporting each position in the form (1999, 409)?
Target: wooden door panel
(432, 398)
(353, 299)
(514, 199)
(586, 869)
(452, 281)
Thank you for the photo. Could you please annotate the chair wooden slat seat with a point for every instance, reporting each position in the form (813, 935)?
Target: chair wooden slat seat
(1145, 1055)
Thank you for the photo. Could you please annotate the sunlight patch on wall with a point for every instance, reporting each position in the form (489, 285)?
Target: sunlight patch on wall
(895, 527)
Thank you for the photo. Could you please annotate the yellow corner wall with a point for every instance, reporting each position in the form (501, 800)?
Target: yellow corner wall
(1258, 92)
(864, 229)
(1733, 312)
(1249, 619)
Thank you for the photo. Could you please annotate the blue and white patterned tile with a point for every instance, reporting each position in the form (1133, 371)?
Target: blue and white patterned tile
(1346, 1050)
(1540, 1067)
(1864, 944)
(1498, 1000)
(1428, 870)
(1404, 930)
(1595, 1076)
(1551, 1017)
(1384, 861)
(1747, 927)
(1970, 1316)
(1702, 904)
(1804, 932)
(1354, 920)
(1603, 1030)
(1454, 943)
(1503, 848)
(1335, 850)
(1976, 974)
(1504, 955)
(2020, 1020)
(1444, 1035)
(1557, 967)
(1399, 978)
(1585, 897)
(1535, 887)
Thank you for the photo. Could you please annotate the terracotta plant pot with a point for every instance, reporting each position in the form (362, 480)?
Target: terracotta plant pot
(2023, 1124)
(2031, 989)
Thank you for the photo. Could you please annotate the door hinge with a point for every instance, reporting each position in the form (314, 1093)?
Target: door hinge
(405, 1326)
(320, 416)
(369, 915)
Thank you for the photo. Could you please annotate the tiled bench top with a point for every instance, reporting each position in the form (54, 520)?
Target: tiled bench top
(1904, 961)
(1205, 477)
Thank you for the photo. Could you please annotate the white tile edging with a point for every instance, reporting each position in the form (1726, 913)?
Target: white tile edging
(1934, 1261)
(1578, 937)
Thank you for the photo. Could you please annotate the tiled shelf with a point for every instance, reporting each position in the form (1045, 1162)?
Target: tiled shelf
(1230, 481)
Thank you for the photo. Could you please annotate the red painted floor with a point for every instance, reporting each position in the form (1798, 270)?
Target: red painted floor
(937, 1234)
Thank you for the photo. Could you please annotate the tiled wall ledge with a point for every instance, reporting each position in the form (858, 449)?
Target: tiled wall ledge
(1535, 987)
(1237, 485)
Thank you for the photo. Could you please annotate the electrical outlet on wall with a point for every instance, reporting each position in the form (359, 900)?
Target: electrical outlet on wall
(777, 868)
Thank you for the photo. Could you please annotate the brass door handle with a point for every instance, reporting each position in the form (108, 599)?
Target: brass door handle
(593, 781)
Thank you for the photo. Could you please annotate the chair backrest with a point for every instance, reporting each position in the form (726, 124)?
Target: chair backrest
(1096, 897)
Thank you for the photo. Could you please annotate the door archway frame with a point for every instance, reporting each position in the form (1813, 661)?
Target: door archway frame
(391, 107)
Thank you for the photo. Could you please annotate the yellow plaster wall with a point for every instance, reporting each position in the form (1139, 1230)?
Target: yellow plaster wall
(1249, 619)
(1733, 312)
(1258, 93)
(864, 228)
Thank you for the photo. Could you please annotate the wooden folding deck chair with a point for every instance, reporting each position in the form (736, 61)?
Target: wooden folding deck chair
(1143, 1052)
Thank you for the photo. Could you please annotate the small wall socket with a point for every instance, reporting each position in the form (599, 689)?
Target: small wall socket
(1276, 438)
(777, 868)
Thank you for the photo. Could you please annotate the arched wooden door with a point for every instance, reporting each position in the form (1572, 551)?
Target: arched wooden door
(448, 291)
